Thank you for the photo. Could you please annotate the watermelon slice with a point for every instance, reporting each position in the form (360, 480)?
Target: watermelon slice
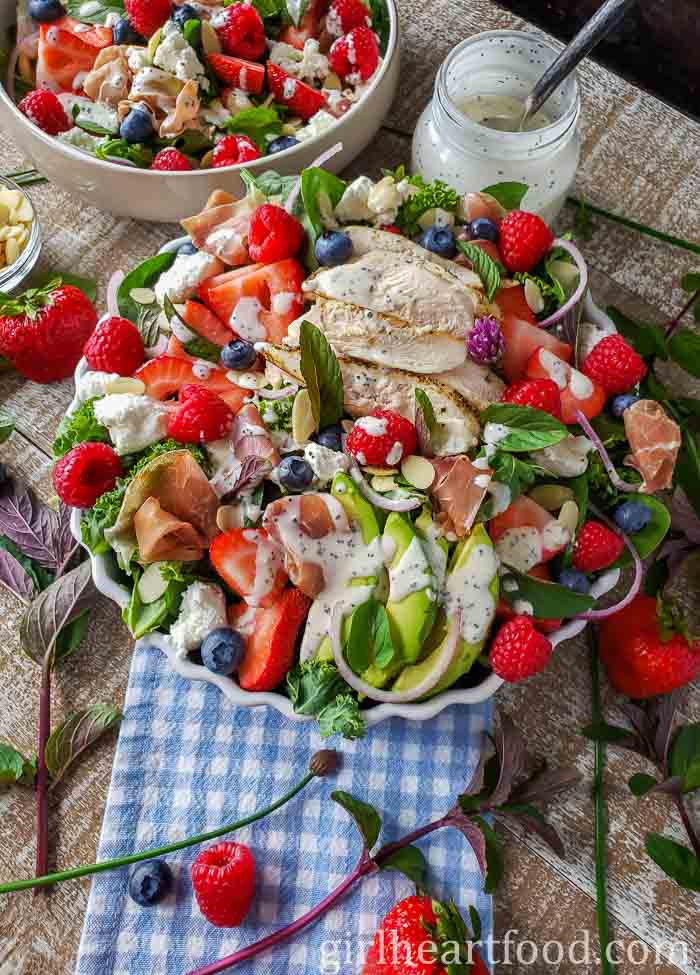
(525, 534)
(522, 339)
(165, 376)
(67, 52)
(577, 391)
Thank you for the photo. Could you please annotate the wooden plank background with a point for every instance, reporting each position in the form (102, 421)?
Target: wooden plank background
(640, 158)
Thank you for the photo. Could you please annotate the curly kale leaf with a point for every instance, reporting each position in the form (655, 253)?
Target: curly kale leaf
(429, 196)
(79, 427)
(277, 414)
(317, 689)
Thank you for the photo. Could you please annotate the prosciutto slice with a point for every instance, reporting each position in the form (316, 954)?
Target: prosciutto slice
(248, 439)
(161, 536)
(655, 440)
(458, 490)
(221, 229)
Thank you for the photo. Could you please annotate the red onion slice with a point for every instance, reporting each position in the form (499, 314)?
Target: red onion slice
(323, 158)
(379, 500)
(607, 463)
(112, 291)
(601, 614)
(281, 393)
(600, 587)
(566, 317)
(442, 664)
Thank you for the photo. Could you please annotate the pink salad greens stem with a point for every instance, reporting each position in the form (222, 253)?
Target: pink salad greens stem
(366, 866)
(607, 463)
(42, 773)
(601, 614)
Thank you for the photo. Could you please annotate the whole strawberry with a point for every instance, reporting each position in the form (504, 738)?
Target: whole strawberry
(115, 346)
(524, 240)
(646, 649)
(519, 650)
(614, 365)
(223, 878)
(44, 330)
(414, 937)
(596, 547)
(541, 394)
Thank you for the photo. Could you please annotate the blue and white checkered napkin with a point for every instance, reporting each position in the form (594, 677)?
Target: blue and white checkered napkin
(188, 761)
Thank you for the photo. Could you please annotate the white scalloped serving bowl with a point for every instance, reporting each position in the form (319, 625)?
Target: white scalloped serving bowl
(106, 577)
(169, 197)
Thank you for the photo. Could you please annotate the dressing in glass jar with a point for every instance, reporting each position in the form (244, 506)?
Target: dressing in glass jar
(469, 136)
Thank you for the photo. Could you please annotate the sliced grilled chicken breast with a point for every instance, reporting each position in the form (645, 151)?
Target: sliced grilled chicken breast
(476, 383)
(366, 387)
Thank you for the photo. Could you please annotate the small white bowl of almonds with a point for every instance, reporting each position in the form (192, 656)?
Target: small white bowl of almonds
(20, 237)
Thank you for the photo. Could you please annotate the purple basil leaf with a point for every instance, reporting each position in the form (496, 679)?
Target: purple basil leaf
(532, 821)
(472, 834)
(672, 786)
(425, 440)
(65, 543)
(513, 760)
(664, 710)
(14, 576)
(252, 473)
(546, 784)
(476, 783)
(675, 552)
(684, 518)
(639, 719)
(32, 526)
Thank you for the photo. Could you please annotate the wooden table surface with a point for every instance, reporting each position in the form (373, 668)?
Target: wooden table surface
(639, 157)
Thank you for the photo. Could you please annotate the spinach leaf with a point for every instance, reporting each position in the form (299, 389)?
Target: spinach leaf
(260, 124)
(650, 537)
(483, 265)
(527, 428)
(508, 194)
(549, 600)
(381, 25)
(143, 276)
(321, 192)
(322, 375)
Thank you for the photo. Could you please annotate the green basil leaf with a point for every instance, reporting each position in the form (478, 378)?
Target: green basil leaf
(80, 730)
(645, 338)
(358, 648)
(677, 861)
(509, 195)
(143, 276)
(322, 375)
(494, 856)
(426, 408)
(260, 124)
(484, 266)
(410, 862)
(321, 191)
(650, 537)
(685, 757)
(609, 733)
(270, 184)
(641, 783)
(7, 424)
(365, 816)
(528, 429)
(64, 601)
(383, 645)
(549, 600)
(684, 348)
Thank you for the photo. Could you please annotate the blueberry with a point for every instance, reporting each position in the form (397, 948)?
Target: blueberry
(439, 240)
(281, 143)
(184, 13)
(333, 247)
(223, 650)
(484, 229)
(619, 404)
(137, 126)
(295, 474)
(150, 882)
(632, 516)
(188, 248)
(124, 32)
(238, 354)
(331, 437)
(46, 10)
(574, 580)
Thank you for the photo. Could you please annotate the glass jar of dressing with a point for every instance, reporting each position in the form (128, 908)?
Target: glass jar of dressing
(469, 136)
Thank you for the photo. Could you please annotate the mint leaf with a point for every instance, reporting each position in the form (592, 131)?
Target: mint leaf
(685, 757)
(410, 862)
(322, 375)
(143, 276)
(79, 427)
(95, 12)
(677, 861)
(641, 783)
(260, 124)
(484, 266)
(549, 600)
(14, 767)
(80, 730)
(528, 428)
(508, 194)
(365, 816)
(7, 424)
(684, 348)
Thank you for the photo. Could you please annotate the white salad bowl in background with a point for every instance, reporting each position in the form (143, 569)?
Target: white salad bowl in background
(170, 197)
(106, 578)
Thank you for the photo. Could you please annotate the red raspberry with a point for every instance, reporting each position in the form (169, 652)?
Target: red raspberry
(147, 16)
(541, 394)
(524, 240)
(85, 473)
(519, 650)
(344, 15)
(356, 55)
(242, 32)
(43, 108)
(172, 161)
(274, 234)
(614, 365)
(202, 416)
(375, 439)
(234, 150)
(223, 878)
(596, 547)
(115, 346)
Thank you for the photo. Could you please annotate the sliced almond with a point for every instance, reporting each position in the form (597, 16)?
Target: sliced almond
(152, 585)
(210, 39)
(551, 496)
(11, 198)
(533, 297)
(303, 423)
(228, 517)
(142, 296)
(4, 214)
(332, 82)
(12, 250)
(247, 380)
(126, 384)
(384, 484)
(23, 213)
(568, 517)
(347, 425)
(380, 471)
(418, 471)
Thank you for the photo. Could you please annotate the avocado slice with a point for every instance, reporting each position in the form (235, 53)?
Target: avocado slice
(467, 652)
(411, 616)
(435, 545)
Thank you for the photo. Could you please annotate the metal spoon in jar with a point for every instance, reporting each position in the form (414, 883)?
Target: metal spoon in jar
(601, 23)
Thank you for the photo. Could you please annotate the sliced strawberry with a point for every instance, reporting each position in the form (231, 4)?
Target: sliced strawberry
(204, 322)
(165, 376)
(309, 27)
(505, 612)
(277, 288)
(177, 349)
(577, 391)
(244, 75)
(287, 90)
(512, 303)
(525, 534)
(65, 53)
(522, 339)
(270, 640)
(250, 563)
